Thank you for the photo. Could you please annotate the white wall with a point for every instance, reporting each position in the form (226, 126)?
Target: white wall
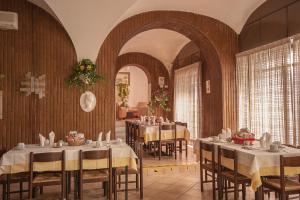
(138, 89)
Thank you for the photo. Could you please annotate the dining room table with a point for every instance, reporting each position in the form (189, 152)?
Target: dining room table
(150, 132)
(17, 160)
(254, 161)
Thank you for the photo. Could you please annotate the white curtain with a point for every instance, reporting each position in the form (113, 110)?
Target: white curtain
(187, 95)
(268, 88)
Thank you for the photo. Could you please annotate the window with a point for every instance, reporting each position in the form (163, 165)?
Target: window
(188, 99)
(268, 91)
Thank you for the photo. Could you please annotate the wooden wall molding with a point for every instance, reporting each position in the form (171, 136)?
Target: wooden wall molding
(219, 41)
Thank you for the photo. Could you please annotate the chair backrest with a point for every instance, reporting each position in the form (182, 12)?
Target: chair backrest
(95, 155)
(167, 127)
(209, 148)
(287, 161)
(181, 124)
(46, 157)
(229, 154)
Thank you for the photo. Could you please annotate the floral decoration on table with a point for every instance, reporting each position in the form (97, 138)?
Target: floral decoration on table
(75, 139)
(243, 135)
(84, 74)
(159, 99)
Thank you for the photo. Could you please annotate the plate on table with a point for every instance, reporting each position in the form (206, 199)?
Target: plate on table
(272, 151)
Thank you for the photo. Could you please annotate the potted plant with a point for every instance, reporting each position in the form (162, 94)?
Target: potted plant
(159, 102)
(123, 94)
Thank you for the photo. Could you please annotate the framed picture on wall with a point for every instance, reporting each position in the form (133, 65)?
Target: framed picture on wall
(123, 77)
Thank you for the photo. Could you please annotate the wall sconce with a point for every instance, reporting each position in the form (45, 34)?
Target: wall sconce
(33, 85)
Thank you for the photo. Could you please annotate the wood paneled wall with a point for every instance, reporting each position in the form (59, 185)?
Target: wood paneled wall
(212, 121)
(273, 20)
(41, 46)
(150, 65)
(218, 40)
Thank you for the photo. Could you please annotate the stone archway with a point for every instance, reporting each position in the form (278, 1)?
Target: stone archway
(218, 39)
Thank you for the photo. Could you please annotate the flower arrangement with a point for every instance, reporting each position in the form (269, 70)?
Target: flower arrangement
(159, 99)
(84, 74)
(123, 93)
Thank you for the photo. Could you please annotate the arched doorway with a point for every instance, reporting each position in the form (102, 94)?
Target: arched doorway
(217, 39)
(132, 93)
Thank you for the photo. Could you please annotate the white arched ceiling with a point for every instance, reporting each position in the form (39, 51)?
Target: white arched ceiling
(88, 22)
(162, 44)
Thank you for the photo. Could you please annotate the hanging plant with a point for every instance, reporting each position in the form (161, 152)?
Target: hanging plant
(84, 74)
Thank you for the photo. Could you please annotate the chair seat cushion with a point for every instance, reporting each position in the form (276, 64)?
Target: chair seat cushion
(240, 178)
(95, 174)
(289, 184)
(47, 177)
(121, 171)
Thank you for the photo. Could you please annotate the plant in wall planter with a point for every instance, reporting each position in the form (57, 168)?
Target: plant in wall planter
(84, 75)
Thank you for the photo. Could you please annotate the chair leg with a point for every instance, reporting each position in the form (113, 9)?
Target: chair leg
(236, 191)
(4, 191)
(21, 190)
(226, 191)
(119, 181)
(137, 182)
(244, 191)
(213, 185)
(8, 187)
(201, 178)
(159, 150)
(115, 185)
(126, 183)
(186, 149)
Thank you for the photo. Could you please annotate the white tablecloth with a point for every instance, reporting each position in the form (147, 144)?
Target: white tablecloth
(151, 133)
(18, 160)
(257, 162)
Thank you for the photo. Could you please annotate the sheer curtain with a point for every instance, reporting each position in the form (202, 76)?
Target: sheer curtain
(268, 88)
(187, 100)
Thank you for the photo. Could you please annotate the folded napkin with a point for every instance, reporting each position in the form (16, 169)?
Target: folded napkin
(161, 119)
(42, 140)
(269, 139)
(100, 137)
(51, 137)
(167, 120)
(228, 133)
(223, 134)
(107, 137)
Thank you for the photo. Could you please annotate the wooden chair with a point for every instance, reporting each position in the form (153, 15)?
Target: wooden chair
(208, 166)
(7, 179)
(47, 178)
(169, 144)
(138, 173)
(283, 185)
(231, 176)
(181, 140)
(96, 175)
